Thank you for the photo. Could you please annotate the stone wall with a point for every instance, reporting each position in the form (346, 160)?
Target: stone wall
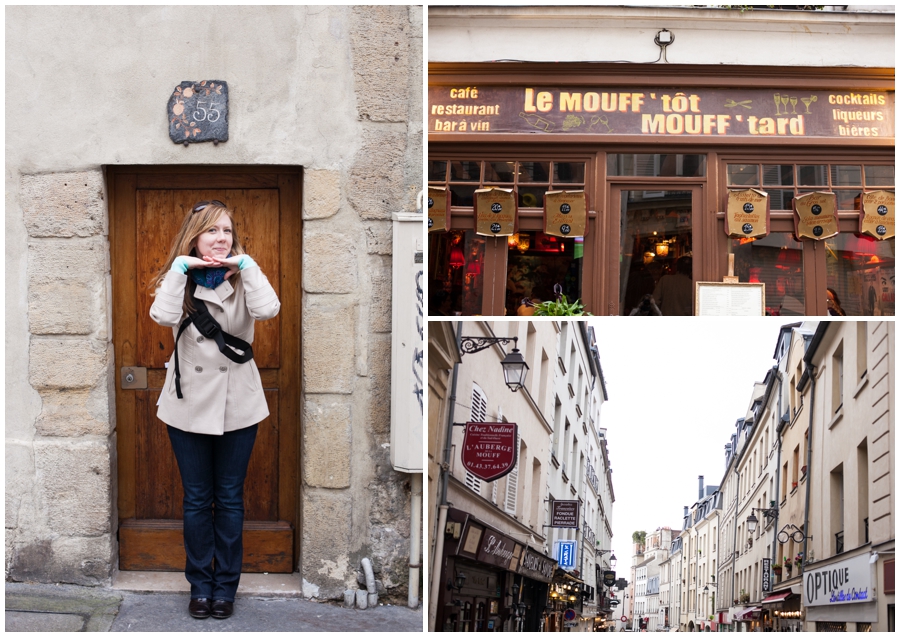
(337, 90)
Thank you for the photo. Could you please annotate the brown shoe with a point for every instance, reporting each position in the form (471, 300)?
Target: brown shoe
(199, 608)
(222, 609)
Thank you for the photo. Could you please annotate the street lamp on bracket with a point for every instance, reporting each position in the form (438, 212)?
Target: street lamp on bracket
(515, 369)
(752, 521)
(612, 558)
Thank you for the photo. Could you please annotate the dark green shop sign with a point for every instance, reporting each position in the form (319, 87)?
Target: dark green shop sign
(661, 112)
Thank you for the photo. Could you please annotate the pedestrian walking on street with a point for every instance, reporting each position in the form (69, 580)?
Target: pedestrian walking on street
(211, 293)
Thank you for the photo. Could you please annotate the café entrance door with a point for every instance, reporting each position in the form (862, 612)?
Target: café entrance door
(654, 248)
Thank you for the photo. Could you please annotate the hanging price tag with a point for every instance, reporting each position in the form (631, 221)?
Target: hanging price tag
(495, 212)
(815, 215)
(876, 218)
(438, 209)
(747, 214)
(565, 213)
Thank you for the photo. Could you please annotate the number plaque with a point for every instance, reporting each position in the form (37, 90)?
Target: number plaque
(198, 112)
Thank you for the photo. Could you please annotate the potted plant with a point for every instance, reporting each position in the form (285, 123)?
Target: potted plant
(793, 485)
(561, 306)
(745, 597)
(798, 560)
(803, 469)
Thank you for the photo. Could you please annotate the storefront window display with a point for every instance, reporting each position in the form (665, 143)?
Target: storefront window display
(861, 274)
(538, 262)
(456, 273)
(777, 261)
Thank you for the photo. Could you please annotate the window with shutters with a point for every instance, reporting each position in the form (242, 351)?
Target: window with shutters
(512, 481)
(479, 413)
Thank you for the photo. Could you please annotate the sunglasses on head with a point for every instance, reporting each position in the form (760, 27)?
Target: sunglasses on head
(203, 204)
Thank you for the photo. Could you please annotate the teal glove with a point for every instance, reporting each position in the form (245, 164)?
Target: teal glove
(244, 261)
(179, 265)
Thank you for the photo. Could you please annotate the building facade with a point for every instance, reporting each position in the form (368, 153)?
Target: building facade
(848, 385)
(542, 577)
(578, 104)
(318, 149)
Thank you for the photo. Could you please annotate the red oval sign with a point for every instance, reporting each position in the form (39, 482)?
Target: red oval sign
(490, 449)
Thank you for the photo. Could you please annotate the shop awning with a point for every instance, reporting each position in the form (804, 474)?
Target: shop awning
(777, 597)
(746, 614)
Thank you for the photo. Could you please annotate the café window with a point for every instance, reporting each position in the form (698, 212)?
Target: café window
(537, 264)
(655, 165)
(860, 269)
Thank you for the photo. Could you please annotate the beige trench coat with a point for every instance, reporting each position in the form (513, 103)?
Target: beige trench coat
(219, 395)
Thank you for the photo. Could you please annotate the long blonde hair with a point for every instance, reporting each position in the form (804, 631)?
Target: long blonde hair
(185, 244)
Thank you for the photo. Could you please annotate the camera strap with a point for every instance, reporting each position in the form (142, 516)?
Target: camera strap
(210, 328)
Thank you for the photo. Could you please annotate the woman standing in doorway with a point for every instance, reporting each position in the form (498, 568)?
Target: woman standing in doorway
(211, 293)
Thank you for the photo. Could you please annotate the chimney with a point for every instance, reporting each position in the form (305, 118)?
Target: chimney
(701, 487)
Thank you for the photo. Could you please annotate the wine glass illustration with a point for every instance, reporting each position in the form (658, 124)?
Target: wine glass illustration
(809, 100)
(793, 106)
(777, 101)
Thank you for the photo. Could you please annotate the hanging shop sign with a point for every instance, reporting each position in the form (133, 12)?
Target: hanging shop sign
(815, 215)
(876, 218)
(669, 112)
(490, 449)
(438, 209)
(609, 578)
(495, 212)
(846, 582)
(537, 566)
(565, 213)
(747, 214)
(198, 112)
(767, 575)
(564, 514)
(499, 550)
(564, 551)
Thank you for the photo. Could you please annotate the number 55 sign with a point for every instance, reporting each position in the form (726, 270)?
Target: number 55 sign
(198, 112)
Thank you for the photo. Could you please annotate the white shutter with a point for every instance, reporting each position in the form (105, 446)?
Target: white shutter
(479, 412)
(495, 483)
(512, 481)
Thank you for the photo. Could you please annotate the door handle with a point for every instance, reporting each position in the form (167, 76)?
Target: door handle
(133, 377)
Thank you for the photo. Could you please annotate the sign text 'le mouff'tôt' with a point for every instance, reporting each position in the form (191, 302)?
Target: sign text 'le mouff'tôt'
(490, 449)
(877, 216)
(751, 112)
(565, 213)
(495, 212)
(198, 112)
(438, 209)
(815, 215)
(747, 214)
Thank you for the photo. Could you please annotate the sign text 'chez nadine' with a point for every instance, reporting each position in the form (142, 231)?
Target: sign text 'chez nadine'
(490, 449)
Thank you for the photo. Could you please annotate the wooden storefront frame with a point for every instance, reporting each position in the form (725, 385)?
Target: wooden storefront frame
(600, 292)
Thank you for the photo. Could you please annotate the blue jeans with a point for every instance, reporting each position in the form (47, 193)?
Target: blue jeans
(213, 469)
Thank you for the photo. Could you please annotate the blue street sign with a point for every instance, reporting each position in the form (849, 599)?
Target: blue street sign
(564, 552)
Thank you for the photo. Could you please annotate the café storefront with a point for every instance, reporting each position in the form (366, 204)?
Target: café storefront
(492, 583)
(652, 153)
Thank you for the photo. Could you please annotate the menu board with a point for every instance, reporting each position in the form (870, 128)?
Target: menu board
(729, 299)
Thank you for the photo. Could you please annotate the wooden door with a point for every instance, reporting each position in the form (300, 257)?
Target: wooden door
(147, 206)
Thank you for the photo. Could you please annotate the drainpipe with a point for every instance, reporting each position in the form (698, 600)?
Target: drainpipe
(778, 430)
(415, 540)
(811, 369)
(437, 563)
(737, 506)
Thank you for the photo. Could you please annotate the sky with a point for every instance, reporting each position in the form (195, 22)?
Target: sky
(676, 387)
